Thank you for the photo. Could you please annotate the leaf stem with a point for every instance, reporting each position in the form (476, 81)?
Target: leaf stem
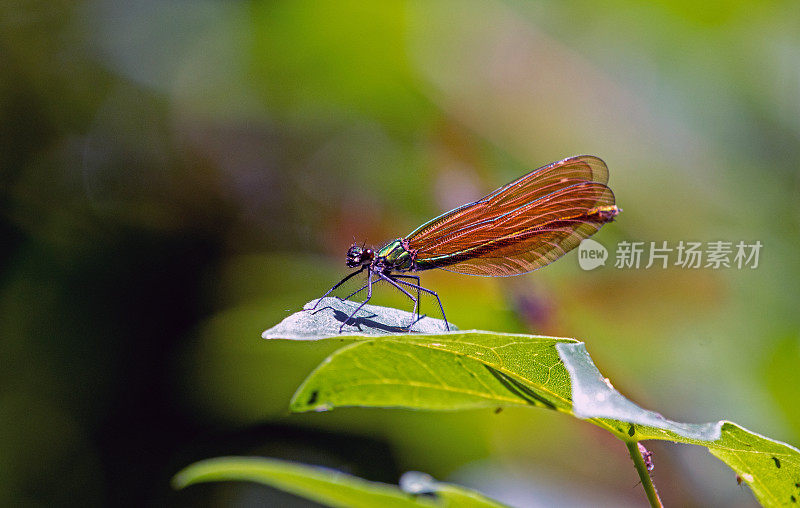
(644, 474)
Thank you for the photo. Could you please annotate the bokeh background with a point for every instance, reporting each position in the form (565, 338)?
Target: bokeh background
(179, 175)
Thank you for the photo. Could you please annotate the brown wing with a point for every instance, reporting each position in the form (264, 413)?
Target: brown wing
(522, 226)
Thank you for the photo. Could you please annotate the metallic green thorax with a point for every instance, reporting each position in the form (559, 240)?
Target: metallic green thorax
(396, 256)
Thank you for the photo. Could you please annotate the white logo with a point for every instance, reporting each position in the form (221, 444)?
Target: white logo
(591, 254)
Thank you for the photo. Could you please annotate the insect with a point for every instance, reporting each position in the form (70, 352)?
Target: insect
(516, 229)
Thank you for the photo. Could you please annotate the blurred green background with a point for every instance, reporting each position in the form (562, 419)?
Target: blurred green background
(178, 176)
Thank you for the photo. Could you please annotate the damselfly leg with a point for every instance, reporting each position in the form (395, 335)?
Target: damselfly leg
(430, 292)
(335, 286)
(369, 296)
(394, 280)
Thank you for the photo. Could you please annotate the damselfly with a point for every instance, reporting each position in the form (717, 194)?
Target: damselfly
(518, 228)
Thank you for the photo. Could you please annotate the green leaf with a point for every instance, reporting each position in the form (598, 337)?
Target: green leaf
(331, 487)
(473, 369)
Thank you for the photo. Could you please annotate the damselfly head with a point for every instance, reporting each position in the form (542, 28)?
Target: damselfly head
(357, 255)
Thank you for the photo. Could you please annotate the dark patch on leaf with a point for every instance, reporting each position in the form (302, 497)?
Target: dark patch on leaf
(424, 495)
(371, 322)
(631, 430)
(519, 389)
(777, 462)
(313, 398)
(794, 499)
(498, 410)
